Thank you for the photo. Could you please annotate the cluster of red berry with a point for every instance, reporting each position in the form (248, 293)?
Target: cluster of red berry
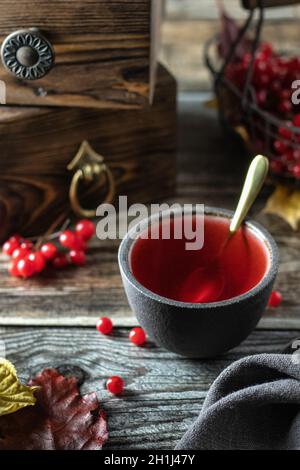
(272, 80)
(26, 261)
(137, 336)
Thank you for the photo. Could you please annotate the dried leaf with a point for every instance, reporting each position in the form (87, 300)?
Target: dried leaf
(61, 420)
(212, 104)
(285, 202)
(13, 395)
(230, 31)
(244, 135)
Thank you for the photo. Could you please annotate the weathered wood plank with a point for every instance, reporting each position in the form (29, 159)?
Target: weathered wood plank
(209, 172)
(164, 392)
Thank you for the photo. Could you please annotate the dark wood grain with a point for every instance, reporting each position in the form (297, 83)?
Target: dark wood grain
(164, 392)
(210, 171)
(139, 146)
(102, 48)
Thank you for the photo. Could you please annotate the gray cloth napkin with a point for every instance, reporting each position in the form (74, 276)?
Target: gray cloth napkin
(253, 405)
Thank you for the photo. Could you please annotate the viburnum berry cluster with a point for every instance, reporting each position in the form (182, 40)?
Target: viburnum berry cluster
(271, 83)
(68, 249)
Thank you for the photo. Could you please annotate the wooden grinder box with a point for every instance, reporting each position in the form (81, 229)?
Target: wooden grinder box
(88, 116)
(38, 144)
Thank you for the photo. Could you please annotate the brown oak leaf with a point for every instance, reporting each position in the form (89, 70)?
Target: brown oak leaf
(62, 419)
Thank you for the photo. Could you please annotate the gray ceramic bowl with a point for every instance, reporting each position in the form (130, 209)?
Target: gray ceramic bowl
(198, 330)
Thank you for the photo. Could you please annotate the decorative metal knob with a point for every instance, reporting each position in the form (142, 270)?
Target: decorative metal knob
(27, 54)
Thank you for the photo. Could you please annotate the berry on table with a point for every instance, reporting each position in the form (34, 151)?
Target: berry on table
(71, 241)
(85, 229)
(38, 260)
(67, 239)
(49, 250)
(60, 261)
(27, 245)
(104, 325)
(20, 253)
(137, 336)
(25, 267)
(275, 299)
(13, 268)
(115, 385)
(11, 245)
(78, 257)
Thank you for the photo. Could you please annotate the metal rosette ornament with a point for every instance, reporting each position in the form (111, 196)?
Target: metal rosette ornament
(27, 54)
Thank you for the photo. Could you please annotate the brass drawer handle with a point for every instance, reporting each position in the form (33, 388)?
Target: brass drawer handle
(88, 167)
(27, 54)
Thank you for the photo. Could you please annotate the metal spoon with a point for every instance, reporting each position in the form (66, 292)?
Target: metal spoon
(206, 284)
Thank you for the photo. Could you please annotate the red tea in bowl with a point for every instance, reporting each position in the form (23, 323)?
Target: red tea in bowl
(166, 267)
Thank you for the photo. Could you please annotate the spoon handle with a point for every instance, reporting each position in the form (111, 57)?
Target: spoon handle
(255, 179)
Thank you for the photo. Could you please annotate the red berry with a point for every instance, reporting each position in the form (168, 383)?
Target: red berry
(20, 253)
(280, 147)
(115, 385)
(13, 268)
(285, 132)
(285, 94)
(60, 261)
(266, 49)
(137, 336)
(49, 250)
(67, 239)
(38, 260)
(27, 245)
(15, 238)
(261, 97)
(288, 156)
(10, 246)
(25, 267)
(85, 229)
(285, 107)
(78, 257)
(296, 154)
(296, 171)
(104, 325)
(275, 299)
(277, 166)
(276, 86)
(296, 120)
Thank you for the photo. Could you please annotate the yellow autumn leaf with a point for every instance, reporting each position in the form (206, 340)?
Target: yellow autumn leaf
(13, 395)
(285, 202)
(244, 135)
(212, 104)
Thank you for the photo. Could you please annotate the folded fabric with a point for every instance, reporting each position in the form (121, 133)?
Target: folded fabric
(253, 405)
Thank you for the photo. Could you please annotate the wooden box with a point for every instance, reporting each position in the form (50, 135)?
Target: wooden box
(38, 144)
(100, 53)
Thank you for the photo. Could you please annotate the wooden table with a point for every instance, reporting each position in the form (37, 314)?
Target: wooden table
(50, 322)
